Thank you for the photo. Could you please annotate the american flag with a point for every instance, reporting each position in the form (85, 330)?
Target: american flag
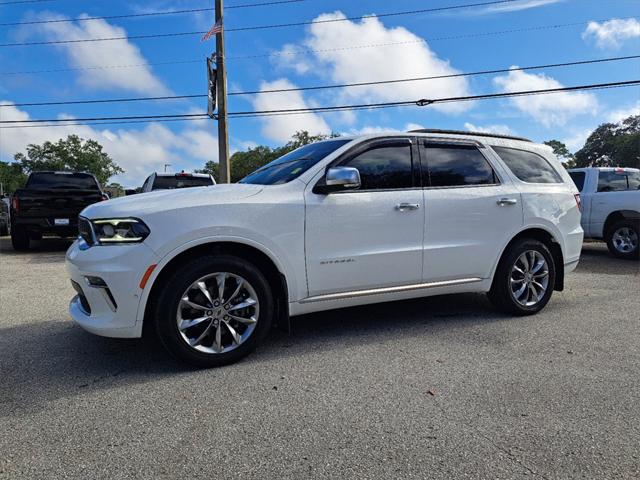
(217, 28)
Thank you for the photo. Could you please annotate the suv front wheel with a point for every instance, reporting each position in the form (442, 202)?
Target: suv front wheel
(524, 280)
(214, 310)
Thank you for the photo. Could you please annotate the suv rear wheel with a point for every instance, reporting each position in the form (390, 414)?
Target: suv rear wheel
(214, 311)
(524, 280)
(622, 239)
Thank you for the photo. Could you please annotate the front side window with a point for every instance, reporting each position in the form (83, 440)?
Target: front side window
(528, 166)
(384, 167)
(578, 179)
(609, 181)
(293, 164)
(457, 165)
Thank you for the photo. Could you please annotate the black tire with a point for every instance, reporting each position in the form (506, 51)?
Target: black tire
(19, 239)
(169, 299)
(632, 250)
(501, 294)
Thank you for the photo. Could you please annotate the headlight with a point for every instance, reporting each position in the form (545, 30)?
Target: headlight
(119, 230)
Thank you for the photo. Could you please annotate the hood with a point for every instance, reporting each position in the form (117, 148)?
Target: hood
(165, 200)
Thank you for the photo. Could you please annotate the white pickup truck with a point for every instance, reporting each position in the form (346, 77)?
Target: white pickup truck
(611, 207)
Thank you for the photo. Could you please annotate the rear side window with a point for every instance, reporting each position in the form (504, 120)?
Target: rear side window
(610, 181)
(384, 167)
(62, 181)
(166, 183)
(578, 179)
(457, 165)
(528, 166)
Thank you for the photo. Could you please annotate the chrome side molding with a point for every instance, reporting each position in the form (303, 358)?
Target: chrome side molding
(385, 290)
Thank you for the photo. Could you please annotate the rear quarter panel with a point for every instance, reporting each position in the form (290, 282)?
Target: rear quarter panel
(552, 206)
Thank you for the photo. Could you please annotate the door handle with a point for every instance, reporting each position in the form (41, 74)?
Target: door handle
(403, 207)
(503, 202)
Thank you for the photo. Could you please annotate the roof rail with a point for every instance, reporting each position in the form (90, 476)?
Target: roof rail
(462, 132)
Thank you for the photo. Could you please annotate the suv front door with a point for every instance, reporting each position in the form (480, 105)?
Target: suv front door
(370, 237)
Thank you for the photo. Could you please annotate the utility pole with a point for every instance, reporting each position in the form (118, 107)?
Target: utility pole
(223, 135)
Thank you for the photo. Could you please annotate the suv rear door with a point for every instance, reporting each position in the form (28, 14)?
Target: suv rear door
(370, 237)
(471, 210)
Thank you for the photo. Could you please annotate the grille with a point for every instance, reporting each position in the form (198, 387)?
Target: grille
(85, 230)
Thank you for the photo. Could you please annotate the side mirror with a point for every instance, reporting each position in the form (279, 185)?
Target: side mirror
(130, 191)
(339, 178)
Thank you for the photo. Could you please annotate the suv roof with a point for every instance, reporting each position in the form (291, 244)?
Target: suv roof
(475, 134)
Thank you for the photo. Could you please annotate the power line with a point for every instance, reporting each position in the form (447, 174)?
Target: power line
(434, 77)
(324, 87)
(298, 111)
(261, 27)
(107, 17)
(139, 15)
(305, 51)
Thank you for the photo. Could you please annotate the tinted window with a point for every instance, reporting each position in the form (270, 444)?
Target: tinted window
(528, 166)
(178, 181)
(578, 179)
(634, 180)
(609, 181)
(62, 180)
(456, 165)
(384, 167)
(293, 164)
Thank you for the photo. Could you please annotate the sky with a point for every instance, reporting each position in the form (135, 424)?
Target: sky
(340, 47)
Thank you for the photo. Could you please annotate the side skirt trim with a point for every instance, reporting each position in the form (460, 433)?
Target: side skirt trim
(380, 291)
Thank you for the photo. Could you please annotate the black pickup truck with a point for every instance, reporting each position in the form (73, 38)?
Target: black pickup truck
(49, 204)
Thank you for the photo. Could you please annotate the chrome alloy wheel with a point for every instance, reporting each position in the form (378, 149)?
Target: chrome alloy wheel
(217, 313)
(625, 240)
(529, 278)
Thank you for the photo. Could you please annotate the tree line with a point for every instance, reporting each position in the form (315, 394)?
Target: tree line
(611, 144)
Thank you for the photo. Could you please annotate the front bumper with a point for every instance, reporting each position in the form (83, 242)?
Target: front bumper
(111, 309)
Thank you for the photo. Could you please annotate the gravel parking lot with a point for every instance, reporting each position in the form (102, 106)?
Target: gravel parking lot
(432, 388)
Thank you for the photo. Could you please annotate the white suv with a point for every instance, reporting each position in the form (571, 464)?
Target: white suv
(343, 222)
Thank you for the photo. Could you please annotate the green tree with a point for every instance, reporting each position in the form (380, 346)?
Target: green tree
(12, 177)
(561, 151)
(245, 162)
(74, 153)
(612, 144)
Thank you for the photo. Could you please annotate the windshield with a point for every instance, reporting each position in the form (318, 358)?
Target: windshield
(293, 164)
(62, 180)
(180, 181)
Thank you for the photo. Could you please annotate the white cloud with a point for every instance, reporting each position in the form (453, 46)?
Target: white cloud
(620, 114)
(414, 59)
(576, 140)
(92, 54)
(138, 152)
(280, 128)
(518, 5)
(550, 109)
(612, 33)
(499, 129)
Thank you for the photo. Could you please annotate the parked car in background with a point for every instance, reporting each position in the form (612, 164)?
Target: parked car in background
(611, 207)
(338, 223)
(4, 215)
(49, 204)
(170, 181)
